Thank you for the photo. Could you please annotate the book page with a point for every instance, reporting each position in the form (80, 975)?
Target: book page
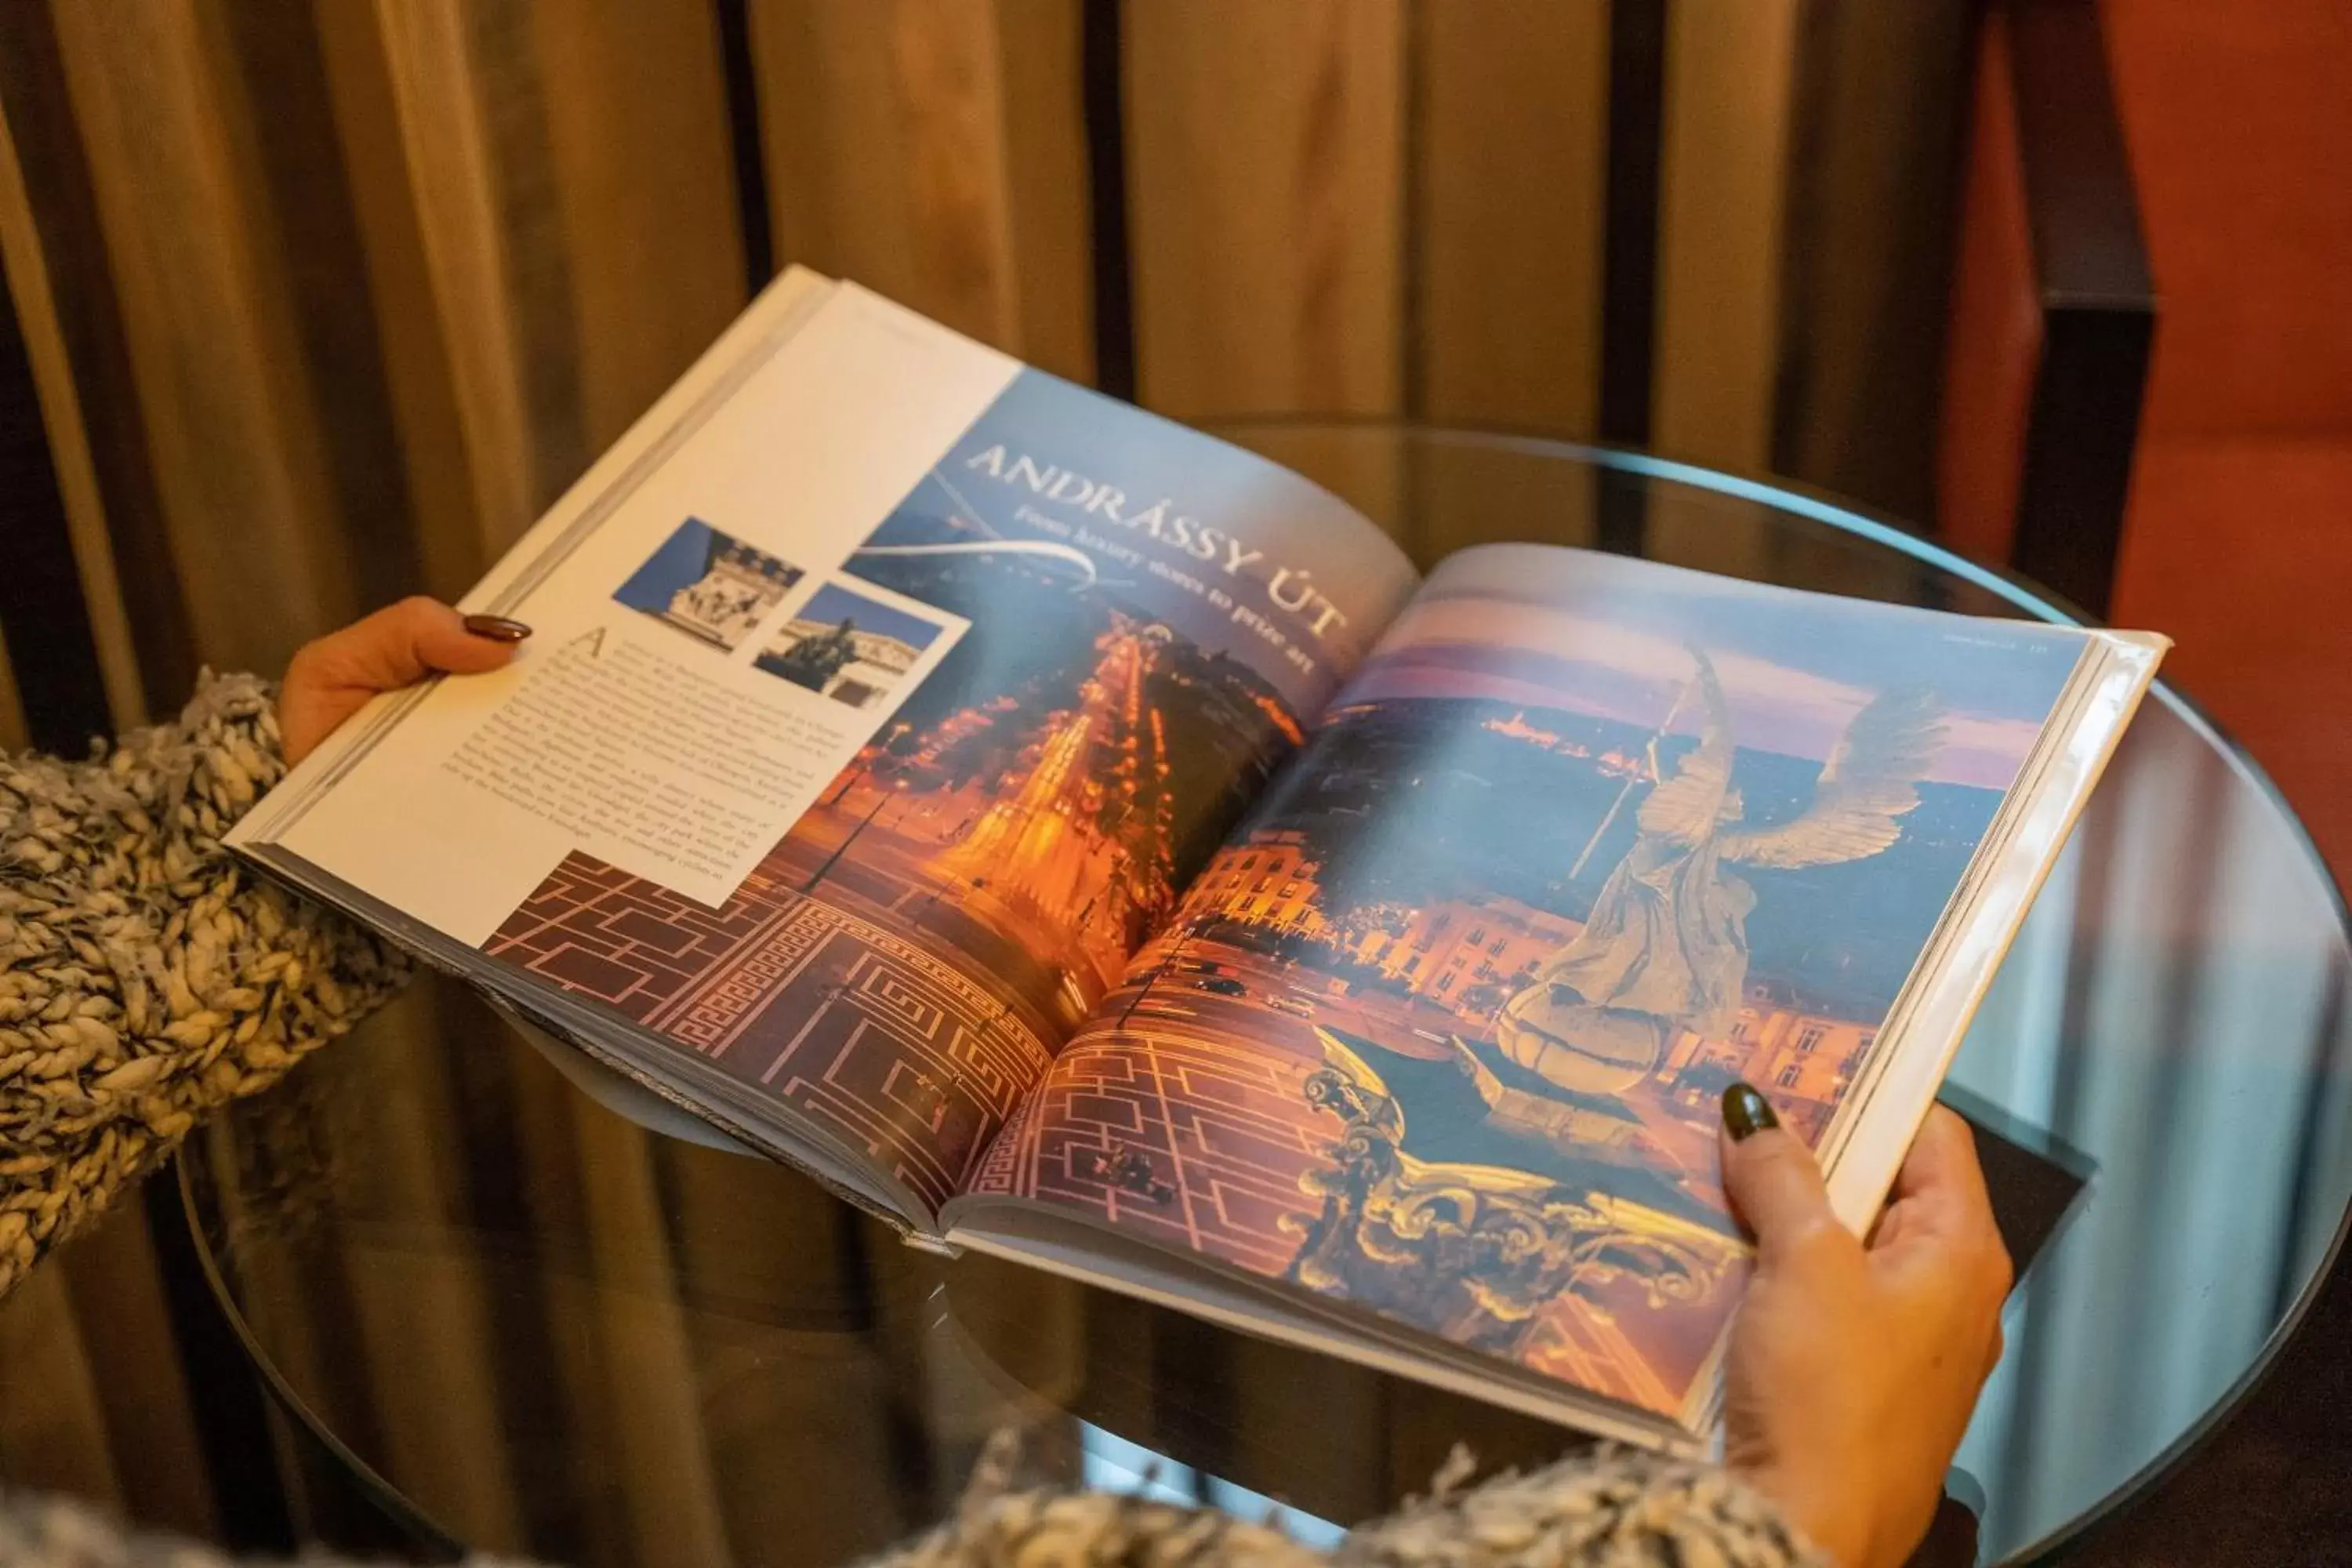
(1443, 1030)
(882, 697)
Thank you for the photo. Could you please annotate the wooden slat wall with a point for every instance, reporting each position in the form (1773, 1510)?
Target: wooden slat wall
(1264, 176)
(34, 306)
(12, 711)
(205, 304)
(1511, 164)
(386, 277)
(369, 346)
(1873, 151)
(933, 150)
(502, 227)
(53, 1428)
(92, 1396)
(450, 181)
(1506, 241)
(562, 173)
(1730, 76)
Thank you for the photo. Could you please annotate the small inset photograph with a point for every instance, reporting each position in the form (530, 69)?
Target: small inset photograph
(848, 645)
(708, 584)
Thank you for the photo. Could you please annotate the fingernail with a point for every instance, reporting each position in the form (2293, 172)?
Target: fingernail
(1747, 1112)
(496, 628)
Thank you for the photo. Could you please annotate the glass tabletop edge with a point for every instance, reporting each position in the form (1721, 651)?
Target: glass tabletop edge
(379, 1491)
(2225, 1408)
(1837, 512)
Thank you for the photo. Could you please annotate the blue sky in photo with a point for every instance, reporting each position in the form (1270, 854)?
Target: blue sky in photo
(1282, 518)
(1995, 668)
(678, 561)
(833, 602)
(1613, 638)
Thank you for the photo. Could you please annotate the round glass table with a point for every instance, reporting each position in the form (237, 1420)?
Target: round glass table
(530, 1325)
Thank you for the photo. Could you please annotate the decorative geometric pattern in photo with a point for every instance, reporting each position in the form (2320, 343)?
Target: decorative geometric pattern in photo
(877, 1039)
(1197, 1141)
(1200, 1144)
(626, 942)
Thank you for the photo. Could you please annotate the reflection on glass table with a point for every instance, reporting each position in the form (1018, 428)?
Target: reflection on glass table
(533, 1326)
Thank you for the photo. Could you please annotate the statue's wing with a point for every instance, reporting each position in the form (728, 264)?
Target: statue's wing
(1869, 782)
(1685, 807)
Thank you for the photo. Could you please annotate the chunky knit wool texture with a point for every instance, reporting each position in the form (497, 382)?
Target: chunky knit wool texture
(146, 977)
(1611, 1508)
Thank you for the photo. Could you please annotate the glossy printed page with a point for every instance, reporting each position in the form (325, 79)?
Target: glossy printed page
(904, 961)
(880, 706)
(1441, 1030)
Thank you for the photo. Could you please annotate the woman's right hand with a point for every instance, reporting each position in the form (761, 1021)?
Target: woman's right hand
(1854, 1368)
(332, 678)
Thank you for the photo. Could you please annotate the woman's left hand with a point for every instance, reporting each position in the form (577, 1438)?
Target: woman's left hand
(332, 678)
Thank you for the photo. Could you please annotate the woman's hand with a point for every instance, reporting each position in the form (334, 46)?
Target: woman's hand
(331, 678)
(1854, 1367)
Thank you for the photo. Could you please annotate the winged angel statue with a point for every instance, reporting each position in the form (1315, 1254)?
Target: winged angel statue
(1666, 947)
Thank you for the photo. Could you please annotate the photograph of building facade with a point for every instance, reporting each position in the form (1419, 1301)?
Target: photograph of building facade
(708, 584)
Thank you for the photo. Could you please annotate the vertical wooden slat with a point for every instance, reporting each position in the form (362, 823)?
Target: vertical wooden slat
(1629, 284)
(114, 1280)
(447, 498)
(785, 1391)
(93, 1398)
(205, 310)
(649, 1374)
(1729, 75)
(52, 1421)
(12, 709)
(885, 138)
(65, 224)
(1875, 146)
(422, 1329)
(274, 87)
(637, 126)
(1266, 152)
(69, 454)
(898, 156)
(1511, 162)
(1046, 181)
(546, 195)
(428, 56)
(1730, 70)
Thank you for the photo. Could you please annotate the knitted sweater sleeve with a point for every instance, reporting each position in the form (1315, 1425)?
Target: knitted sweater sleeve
(1604, 1510)
(145, 976)
(1608, 1509)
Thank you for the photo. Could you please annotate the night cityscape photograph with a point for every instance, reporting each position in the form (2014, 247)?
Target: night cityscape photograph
(959, 897)
(1441, 1030)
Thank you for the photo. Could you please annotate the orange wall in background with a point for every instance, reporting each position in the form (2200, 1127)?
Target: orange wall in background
(2238, 537)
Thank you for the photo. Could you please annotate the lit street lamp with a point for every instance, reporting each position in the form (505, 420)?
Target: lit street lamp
(818, 876)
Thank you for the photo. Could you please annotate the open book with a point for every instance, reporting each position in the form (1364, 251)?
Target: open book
(1074, 838)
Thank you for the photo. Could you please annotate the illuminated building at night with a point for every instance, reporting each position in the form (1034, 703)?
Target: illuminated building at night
(1458, 946)
(1802, 1059)
(1269, 881)
(1081, 838)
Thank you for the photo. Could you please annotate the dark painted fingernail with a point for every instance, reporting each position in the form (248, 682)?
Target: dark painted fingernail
(496, 628)
(1747, 1112)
